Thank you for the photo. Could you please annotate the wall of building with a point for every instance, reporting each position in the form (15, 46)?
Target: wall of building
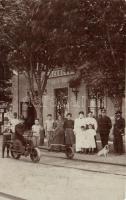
(22, 86)
(73, 106)
(49, 98)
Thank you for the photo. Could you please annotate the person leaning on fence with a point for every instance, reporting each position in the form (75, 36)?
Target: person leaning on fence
(49, 129)
(118, 132)
(6, 136)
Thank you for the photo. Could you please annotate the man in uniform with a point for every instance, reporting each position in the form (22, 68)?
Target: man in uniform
(104, 126)
(118, 132)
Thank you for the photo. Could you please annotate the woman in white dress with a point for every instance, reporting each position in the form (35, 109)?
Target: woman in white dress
(91, 120)
(79, 122)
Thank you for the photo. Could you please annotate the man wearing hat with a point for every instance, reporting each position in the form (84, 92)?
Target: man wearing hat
(118, 132)
(104, 126)
(19, 131)
(6, 136)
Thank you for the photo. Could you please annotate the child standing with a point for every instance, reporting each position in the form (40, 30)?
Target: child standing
(49, 129)
(36, 130)
(90, 134)
(6, 136)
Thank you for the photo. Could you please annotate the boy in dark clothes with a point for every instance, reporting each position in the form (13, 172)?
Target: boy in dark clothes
(6, 136)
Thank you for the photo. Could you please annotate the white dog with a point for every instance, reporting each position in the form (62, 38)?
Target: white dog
(104, 152)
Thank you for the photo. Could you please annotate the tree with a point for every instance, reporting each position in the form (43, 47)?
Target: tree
(30, 52)
(5, 77)
(90, 32)
(49, 33)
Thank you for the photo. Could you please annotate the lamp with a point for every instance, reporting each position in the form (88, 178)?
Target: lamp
(75, 90)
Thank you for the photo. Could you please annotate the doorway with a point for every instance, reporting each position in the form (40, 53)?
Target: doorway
(61, 102)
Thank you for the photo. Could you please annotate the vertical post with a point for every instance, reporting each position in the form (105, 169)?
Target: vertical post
(18, 82)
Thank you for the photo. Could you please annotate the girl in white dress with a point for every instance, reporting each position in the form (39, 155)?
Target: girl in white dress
(90, 138)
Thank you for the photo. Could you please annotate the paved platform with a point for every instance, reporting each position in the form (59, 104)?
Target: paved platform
(112, 158)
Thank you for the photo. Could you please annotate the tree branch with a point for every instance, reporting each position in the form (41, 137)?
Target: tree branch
(111, 48)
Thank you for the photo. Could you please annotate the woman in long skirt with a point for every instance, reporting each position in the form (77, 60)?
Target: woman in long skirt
(69, 133)
(58, 136)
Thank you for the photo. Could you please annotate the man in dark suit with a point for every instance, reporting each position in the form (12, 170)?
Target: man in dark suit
(19, 131)
(118, 132)
(104, 126)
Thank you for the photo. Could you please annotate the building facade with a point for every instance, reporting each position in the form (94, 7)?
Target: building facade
(60, 98)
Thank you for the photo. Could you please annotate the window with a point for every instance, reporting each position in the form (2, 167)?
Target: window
(61, 102)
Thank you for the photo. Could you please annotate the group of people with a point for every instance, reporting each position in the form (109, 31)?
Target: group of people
(15, 128)
(82, 131)
(79, 133)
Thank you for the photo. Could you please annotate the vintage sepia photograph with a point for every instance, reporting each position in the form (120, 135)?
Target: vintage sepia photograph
(62, 100)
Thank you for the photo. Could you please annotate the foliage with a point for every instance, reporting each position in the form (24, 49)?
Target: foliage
(91, 32)
(5, 76)
(45, 34)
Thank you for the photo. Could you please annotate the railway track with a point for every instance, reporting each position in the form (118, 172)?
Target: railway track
(92, 167)
(5, 196)
(80, 169)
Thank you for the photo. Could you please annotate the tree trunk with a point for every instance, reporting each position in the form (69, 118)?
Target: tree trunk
(41, 121)
(117, 101)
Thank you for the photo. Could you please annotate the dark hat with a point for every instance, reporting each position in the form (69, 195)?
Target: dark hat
(103, 110)
(118, 112)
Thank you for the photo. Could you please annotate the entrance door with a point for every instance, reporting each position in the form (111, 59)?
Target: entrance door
(61, 102)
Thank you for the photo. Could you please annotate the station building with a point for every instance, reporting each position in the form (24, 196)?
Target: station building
(59, 97)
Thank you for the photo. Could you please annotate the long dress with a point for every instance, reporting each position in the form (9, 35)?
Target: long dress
(79, 133)
(90, 138)
(69, 133)
(93, 122)
(59, 135)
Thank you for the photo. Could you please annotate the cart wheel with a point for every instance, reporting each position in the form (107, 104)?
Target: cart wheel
(69, 152)
(15, 154)
(16, 149)
(35, 155)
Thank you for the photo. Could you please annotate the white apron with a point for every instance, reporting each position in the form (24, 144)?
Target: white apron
(78, 133)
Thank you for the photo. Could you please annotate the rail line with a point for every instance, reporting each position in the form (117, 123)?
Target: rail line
(84, 160)
(10, 197)
(81, 169)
